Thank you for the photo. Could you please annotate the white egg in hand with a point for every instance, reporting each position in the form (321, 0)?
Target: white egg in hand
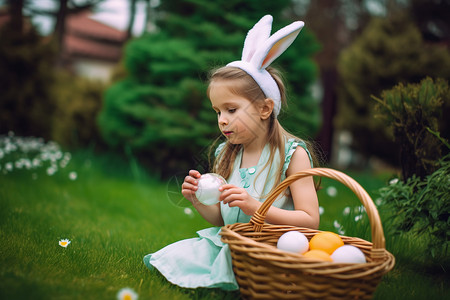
(348, 254)
(208, 188)
(293, 241)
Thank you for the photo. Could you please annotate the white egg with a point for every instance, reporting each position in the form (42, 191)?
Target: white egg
(348, 254)
(293, 241)
(208, 188)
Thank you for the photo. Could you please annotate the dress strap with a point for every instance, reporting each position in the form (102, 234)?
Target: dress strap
(291, 146)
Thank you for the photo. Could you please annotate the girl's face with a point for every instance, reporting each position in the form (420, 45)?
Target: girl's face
(240, 120)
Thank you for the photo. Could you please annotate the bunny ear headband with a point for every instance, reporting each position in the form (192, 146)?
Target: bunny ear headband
(261, 49)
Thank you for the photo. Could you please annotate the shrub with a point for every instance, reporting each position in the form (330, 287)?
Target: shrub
(412, 113)
(78, 102)
(422, 206)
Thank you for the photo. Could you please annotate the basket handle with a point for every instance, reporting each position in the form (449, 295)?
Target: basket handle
(378, 240)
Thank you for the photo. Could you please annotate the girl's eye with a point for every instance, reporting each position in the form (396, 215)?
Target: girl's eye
(232, 110)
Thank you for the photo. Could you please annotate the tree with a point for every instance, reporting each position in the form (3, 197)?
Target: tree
(25, 60)
(160, 109)
(388, 52)
(131, 19)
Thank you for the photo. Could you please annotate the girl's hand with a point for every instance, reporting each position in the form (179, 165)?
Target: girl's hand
(239, 197)
(190, 186)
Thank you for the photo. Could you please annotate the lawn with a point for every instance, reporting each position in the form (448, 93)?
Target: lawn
(114, 213)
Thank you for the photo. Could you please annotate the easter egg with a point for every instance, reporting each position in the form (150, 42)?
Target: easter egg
(326, 241)
(293, 241)
(348, 254)
(318, 254)
(208, 188)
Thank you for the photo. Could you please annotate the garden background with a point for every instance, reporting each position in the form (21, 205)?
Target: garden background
(99, 161)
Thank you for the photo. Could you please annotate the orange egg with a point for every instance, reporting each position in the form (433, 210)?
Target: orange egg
(326, 241)
(318, 254)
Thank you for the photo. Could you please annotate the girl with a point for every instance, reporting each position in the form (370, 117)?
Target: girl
(257, 155)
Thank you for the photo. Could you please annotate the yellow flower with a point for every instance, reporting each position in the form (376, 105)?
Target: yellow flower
(64, 243)
(127, 294)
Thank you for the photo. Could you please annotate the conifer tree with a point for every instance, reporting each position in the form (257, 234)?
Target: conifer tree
(160, 109)
(388, 52)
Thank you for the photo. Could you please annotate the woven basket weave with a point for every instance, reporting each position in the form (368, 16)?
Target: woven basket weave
(265, 272)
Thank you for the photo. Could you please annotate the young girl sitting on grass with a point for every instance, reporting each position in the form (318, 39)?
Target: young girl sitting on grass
(257, 155)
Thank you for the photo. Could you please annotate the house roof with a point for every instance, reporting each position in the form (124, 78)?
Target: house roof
(75, 46)
(83, 24)
(87, 37)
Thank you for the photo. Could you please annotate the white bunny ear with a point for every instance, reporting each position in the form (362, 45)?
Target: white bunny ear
(276, 45)
(261, 49)
(256, 37)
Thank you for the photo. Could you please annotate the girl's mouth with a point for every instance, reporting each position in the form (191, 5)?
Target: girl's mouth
(227, 133)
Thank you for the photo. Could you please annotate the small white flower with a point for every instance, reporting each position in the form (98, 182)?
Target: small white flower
(64, 243)
(67, 156)
(63, 163)
(346, 211)
(73, 175)
(393, 181)
(339, 227)
(36, 162)
(321, 210)
(18, 164)
(336, 224)
(9, 166)
(378, 201)
(51, 171)
(58, 155)
(188, 211)
(331, 191)
(360, 209)
(127, 294)
(358, 217)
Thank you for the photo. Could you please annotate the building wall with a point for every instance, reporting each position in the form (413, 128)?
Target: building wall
(94, 69)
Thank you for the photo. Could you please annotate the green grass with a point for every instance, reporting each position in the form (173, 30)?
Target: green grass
(114, 215)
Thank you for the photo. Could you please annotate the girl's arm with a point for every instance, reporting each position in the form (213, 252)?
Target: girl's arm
(303, 192)
(210, 213)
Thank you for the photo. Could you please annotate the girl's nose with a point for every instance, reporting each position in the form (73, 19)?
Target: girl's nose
(223, 120)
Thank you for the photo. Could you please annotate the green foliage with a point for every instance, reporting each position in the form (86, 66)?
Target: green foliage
(389, 51)
(162, 104)
(423, 206)
(413, 112)
(25, 103)
(78, 102)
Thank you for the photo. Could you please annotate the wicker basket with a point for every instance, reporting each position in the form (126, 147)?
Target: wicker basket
(265, 272)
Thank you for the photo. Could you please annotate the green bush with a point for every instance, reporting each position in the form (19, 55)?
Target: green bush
(389, 51)
(78, 102)
(422, 206)
(412, 112)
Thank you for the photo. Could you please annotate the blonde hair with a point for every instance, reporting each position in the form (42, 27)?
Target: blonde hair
(245, 86)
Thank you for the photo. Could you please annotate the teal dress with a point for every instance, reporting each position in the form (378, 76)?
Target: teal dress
(205, 261)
